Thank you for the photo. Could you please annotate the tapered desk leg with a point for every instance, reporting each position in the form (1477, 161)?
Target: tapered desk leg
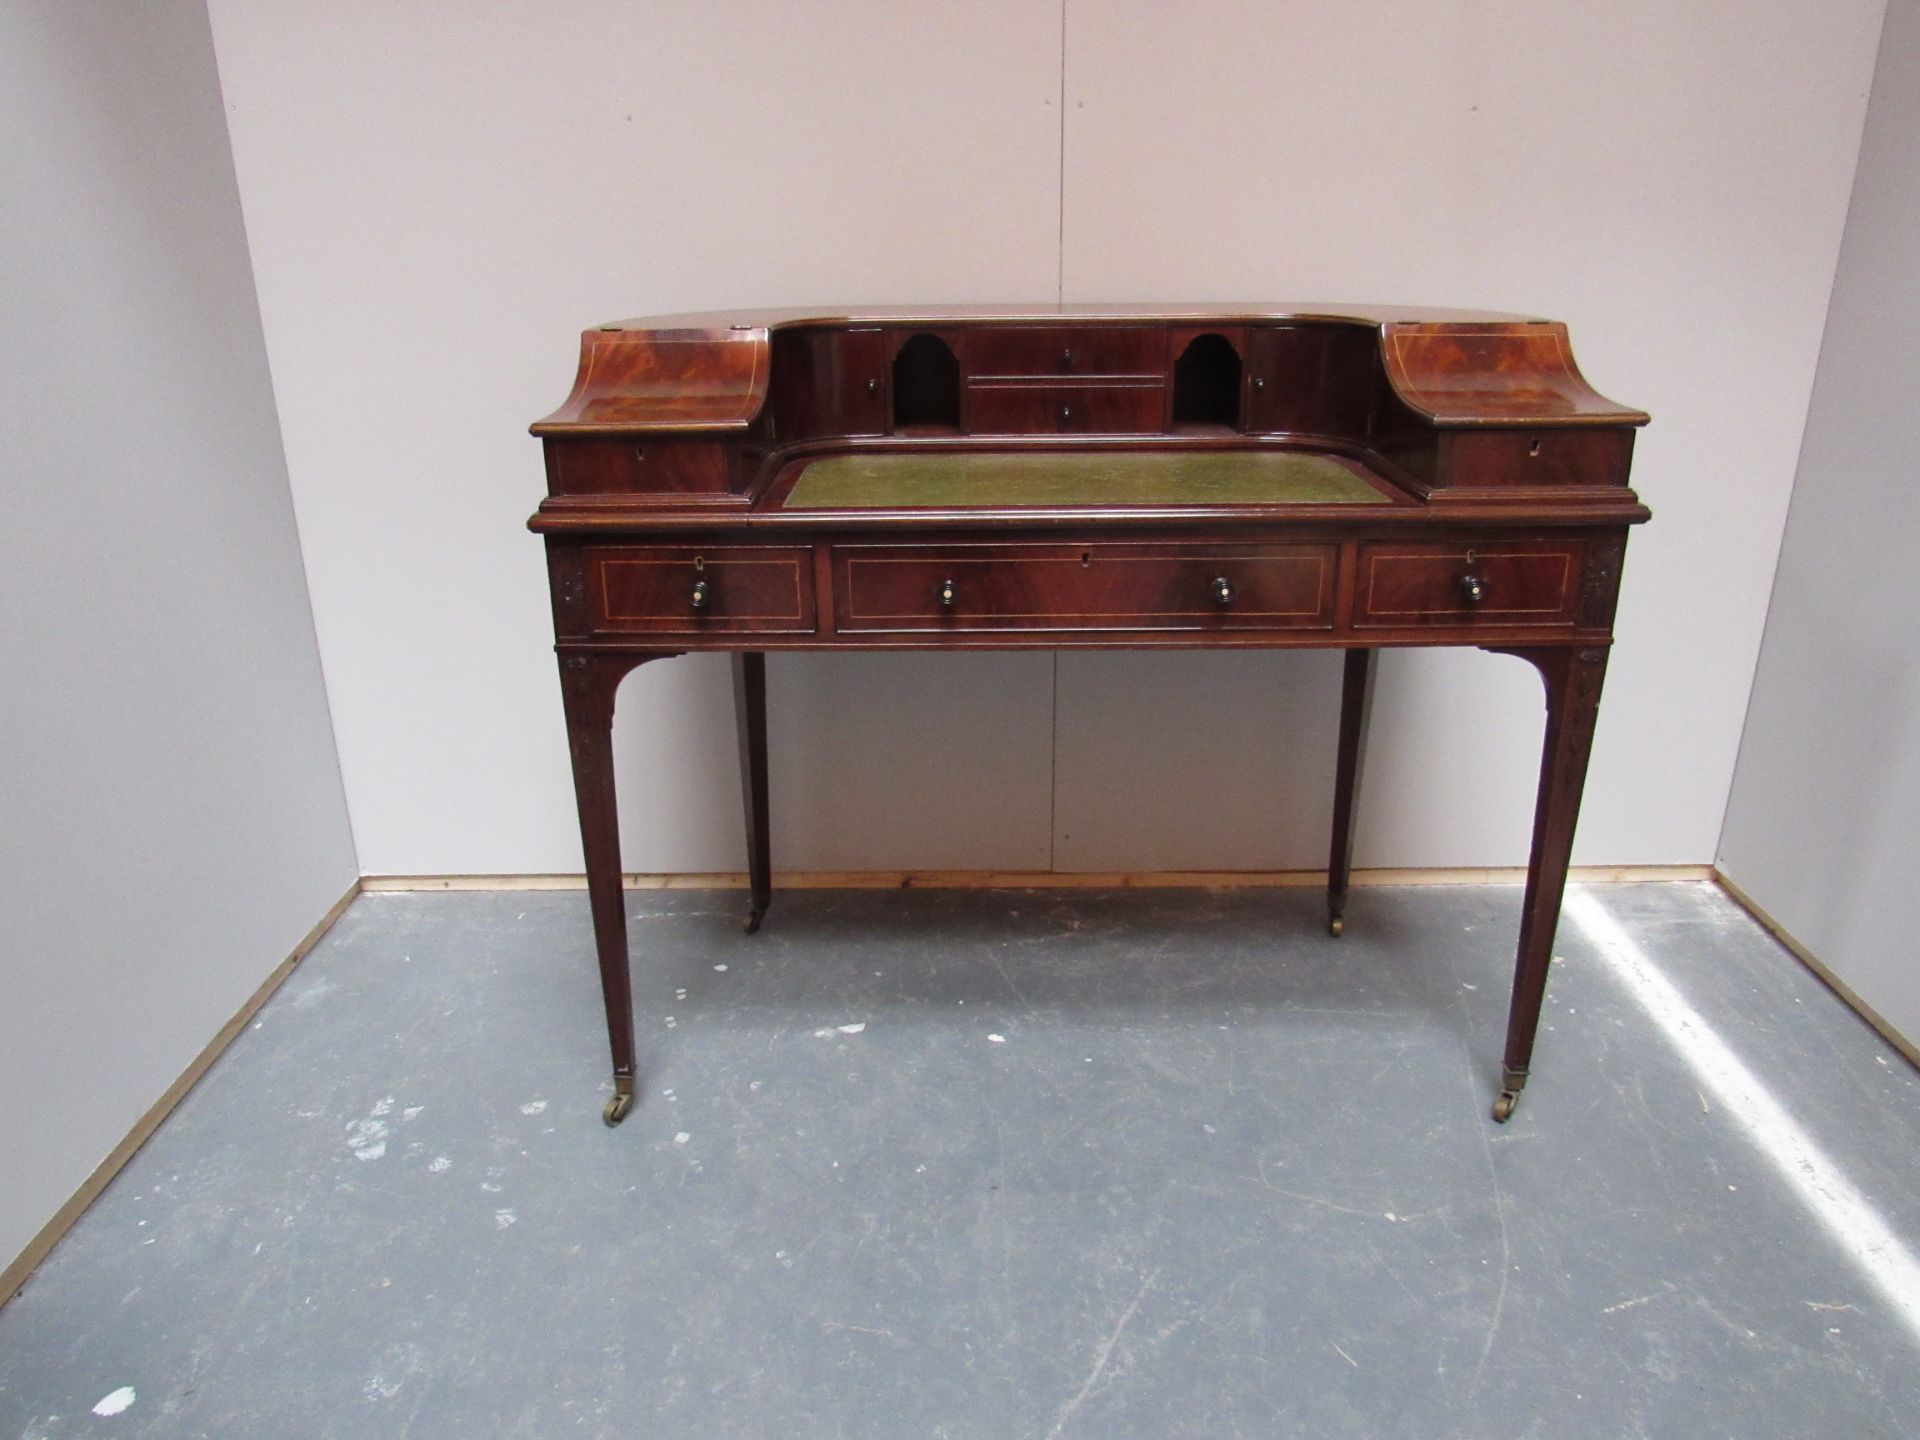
(587, 685)
(1356, 706)
(1573, 678)
(750, 714)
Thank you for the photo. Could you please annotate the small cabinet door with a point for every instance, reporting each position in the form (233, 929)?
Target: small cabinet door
(1309, 379)
(860, 374)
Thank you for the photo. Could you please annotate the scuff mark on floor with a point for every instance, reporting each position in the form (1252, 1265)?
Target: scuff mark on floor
(1101, 1359)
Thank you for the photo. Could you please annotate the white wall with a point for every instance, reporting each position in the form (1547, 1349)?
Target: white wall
(440, 197)
(1823, 829)
(172, 821)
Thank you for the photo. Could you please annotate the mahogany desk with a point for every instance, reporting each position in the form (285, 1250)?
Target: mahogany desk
(1220, 477)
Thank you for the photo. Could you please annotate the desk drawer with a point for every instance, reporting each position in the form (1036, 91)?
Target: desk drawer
(687, 589)
(1084, 587)
(1066, 409)
(1489, 585)
(677, 467)
(1050, 350)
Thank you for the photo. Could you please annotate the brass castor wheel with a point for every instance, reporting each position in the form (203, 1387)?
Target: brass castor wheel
(1337, 926)
(754, 917)
(1512, 1082)
(615, 1110)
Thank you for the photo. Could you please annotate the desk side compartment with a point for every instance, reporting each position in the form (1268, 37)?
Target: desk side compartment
(1493, 411)
(659, 417)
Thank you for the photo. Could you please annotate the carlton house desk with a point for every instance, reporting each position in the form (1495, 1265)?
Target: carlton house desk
(1219, 477)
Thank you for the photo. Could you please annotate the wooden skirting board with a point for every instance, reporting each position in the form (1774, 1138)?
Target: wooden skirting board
(1046, 879)
(1832, 981)
(16, 1274)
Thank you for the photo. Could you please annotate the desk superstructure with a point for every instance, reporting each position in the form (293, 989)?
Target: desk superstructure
(1195, 477)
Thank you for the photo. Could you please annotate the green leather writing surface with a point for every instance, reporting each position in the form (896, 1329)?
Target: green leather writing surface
(1195, 477)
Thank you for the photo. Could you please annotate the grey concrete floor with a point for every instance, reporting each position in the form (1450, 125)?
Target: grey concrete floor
(951, 1164)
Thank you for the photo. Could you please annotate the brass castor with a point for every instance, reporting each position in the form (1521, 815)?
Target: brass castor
(616, 1109)
(754, 917)
(1512, 1082)
(1336, 926)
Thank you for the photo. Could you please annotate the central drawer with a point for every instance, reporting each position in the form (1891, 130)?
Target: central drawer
(1094, 409)
(1034, 350)
(1102, 586)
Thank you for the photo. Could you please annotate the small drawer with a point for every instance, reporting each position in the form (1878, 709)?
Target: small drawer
(1023, 351)
(685, 589)
(1497, 584)
(670, 467)
(1066, 409)
(1084, 587)
(1478, 458)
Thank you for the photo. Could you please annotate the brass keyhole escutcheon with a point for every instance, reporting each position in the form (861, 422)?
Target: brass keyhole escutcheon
(1473, 588)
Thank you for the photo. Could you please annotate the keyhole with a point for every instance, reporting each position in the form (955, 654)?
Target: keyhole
(1533, 450)
(1086, 557)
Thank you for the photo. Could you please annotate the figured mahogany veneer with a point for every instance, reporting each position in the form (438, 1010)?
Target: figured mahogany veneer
(1219, 476)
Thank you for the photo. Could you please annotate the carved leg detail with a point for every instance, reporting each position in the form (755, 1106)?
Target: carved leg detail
(587, 685)
(1356, 706)
(750, 713)
(1573, 678)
